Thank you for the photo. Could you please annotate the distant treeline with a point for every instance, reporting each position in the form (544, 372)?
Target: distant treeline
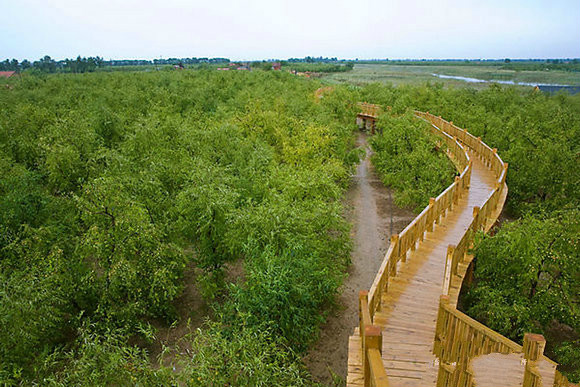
(90, 64)
(311, 59)
(318, 67)
(83, 65)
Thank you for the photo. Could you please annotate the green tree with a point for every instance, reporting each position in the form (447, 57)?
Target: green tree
(408, 160)
(46, 64)
(528, 280)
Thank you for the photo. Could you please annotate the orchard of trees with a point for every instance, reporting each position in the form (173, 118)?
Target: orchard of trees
(116, 184)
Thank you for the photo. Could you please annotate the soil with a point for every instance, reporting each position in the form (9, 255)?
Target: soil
(174, 339)
(374, 217)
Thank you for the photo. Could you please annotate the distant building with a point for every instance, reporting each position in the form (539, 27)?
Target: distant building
(223, 69)
(240, 66)
(276, 66)
(7, 74)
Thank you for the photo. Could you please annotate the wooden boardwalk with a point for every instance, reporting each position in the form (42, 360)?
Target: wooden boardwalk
(408, 311)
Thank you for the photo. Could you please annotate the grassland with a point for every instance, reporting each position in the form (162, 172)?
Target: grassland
(415, 75)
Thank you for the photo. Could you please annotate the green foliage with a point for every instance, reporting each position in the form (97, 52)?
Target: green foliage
(283, 293)
(226, 356)
(104, 359)
(407, 159)
(114, 183)
(32, 317)
(137, 270)
(528, 280)
(568, 354)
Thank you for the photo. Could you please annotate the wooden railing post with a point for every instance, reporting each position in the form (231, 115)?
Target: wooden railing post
(395, 256)
(457, 192)
(534, 345)
(505, 168)
(448, 269)
(363, 300)
(414, 237)
(495, 197)
(437, 211)
(440, 326)
(451, 253)
(467, 181)
(374, 369)
(430, 215)
(364, 323)
(476, 217)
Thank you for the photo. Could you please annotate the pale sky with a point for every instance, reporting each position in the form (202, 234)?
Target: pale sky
(268, 29)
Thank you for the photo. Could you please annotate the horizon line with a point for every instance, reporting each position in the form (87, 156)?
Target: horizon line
(313, 57)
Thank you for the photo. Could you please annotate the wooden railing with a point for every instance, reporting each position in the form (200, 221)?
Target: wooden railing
(371, 345)
(369, 109)
(367, 118)
(458, 337)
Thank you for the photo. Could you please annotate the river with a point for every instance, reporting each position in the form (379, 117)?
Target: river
(475, 80)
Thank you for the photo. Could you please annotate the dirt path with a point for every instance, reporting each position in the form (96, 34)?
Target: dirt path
(371, 213)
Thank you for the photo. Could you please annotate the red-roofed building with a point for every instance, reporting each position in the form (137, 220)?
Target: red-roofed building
(7, 74)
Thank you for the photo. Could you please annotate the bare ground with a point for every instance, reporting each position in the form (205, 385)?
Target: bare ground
(172, 340)
(374, 216)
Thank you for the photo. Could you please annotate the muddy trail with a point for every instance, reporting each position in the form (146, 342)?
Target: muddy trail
(374, 216)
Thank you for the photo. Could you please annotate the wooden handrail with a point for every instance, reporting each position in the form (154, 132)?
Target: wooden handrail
(449, 315)
(369, 109)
